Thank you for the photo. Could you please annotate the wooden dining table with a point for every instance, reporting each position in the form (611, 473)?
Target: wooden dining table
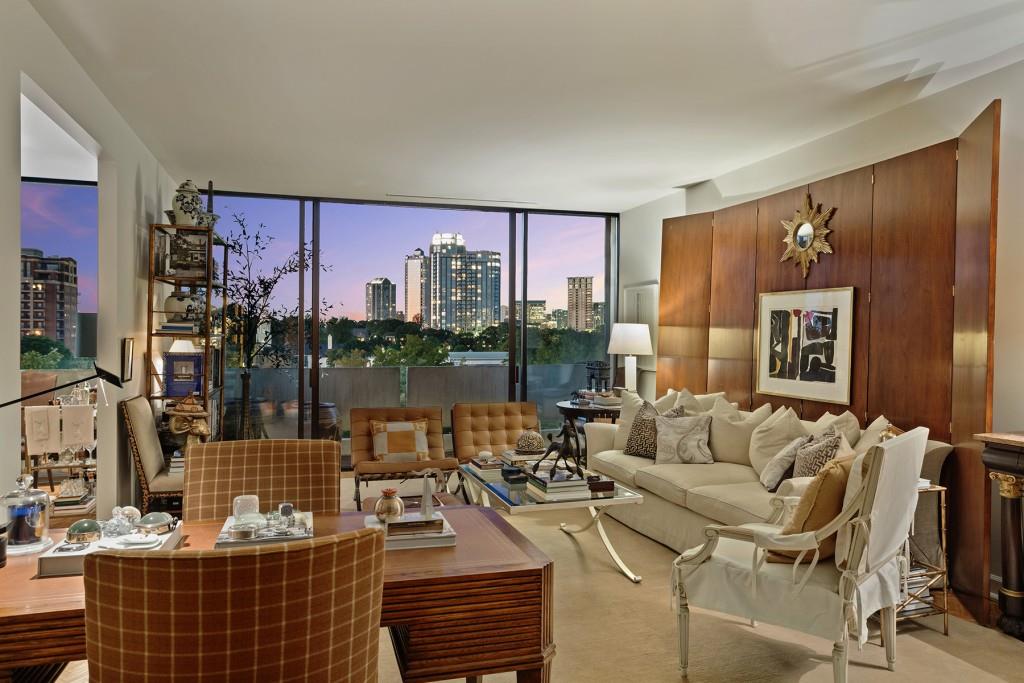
(483, 606)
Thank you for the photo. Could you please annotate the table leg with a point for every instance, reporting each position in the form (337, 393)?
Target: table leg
(595, 519)
(542, 675)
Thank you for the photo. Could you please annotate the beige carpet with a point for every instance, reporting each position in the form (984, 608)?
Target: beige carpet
(609, 629)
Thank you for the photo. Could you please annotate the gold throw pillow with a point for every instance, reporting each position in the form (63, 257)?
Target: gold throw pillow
(821, 503)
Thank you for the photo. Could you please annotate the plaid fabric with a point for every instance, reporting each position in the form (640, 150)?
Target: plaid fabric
(302, 610)
(304, 472)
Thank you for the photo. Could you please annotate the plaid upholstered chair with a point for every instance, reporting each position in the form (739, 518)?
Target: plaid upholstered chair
(368, 468)
(304, 472)
(299, 611)
(155, 479)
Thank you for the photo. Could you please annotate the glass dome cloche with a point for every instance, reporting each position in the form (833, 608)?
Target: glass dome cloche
(28, 518)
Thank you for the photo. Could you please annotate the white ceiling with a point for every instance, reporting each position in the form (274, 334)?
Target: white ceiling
(575, 104)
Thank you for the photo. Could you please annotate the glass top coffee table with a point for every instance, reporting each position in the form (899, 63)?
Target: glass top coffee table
(518, 500)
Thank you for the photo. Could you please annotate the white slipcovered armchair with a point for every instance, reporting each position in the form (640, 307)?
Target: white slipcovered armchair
(830, 599)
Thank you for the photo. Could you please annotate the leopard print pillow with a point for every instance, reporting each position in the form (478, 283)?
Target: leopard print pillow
(643, 435)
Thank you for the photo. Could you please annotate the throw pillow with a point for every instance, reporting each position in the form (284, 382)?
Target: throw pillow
(643, 433)
(400, 441)
(631, 405)
(872, 434)
(683, 440)
(780, 467)
(707, 401)
(821, 503)
(845, 424)
(666, 402)
(686, 403)
(813, 456)
(731, 431)
(773, 435)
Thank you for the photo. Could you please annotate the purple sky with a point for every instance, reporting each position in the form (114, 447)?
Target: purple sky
(61, 220)
(363, 241)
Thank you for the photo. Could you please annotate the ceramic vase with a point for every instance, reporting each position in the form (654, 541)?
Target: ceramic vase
(187, 204)
(178, 306)
(389, 507)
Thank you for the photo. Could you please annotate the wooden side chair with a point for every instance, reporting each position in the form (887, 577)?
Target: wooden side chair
(143, 441)
(304, 472)
(365, 463)
(301, 611)
(833, 598)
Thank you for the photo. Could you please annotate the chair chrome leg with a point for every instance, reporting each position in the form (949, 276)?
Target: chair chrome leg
(840, 651)
(684, 634)
(358, 496)
(889, 635)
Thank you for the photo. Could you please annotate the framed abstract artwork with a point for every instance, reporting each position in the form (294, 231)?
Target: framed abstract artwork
(805, 343)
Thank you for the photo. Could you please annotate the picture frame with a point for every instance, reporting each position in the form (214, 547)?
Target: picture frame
(127, 359)
(805, 344)
(183, 374)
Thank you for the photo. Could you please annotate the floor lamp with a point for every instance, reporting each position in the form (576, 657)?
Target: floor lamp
(630, 340)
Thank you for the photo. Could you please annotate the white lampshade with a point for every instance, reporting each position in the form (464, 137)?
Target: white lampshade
(182, 346)
(632, 339)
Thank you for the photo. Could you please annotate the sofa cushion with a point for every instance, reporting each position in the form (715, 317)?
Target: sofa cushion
(730, 431)
(631, 405)
(618, 465)
(643, 433)
(672, 482)
(734, 504)
(683, 440)
(872, 435)
(773, 435)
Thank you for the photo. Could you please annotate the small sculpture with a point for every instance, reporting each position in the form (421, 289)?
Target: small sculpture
(188, 417)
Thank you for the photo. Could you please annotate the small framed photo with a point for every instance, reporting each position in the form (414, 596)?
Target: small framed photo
(127, 358)
(805, 344)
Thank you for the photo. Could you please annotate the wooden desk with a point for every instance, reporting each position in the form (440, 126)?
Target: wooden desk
(484, 606)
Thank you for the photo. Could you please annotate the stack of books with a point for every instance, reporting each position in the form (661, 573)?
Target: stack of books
(177, 463)
(74, 505)
(186, 327)
(557, 489)
(917, 580)
(601, 487)
(923, 484)
(488, 470)
(415, 531)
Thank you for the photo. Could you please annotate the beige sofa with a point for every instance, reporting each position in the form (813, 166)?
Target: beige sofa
(680, 500)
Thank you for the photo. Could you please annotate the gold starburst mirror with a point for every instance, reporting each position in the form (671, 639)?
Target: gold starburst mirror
(805, 235)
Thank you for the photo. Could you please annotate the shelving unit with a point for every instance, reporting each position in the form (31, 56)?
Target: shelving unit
(918, 599)
(167, 247)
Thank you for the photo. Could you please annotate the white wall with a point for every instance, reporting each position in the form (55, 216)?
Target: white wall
(133, 189)
(938, 117)
(640, 253)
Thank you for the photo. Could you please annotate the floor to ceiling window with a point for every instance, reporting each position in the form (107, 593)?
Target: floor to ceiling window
(415, 305)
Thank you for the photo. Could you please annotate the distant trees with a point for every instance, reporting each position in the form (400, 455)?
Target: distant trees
(43, 353)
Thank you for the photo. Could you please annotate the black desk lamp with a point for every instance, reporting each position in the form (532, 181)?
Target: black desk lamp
(102, 374)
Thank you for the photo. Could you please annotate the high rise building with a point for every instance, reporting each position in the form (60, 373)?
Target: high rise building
(536, 311)
(417, 290)
(560, 316)
(581, 302)
(49, 297)
(380, 299)
(464, 287)
(598, 315)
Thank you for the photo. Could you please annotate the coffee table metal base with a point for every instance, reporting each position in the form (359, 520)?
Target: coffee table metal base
(595, 520)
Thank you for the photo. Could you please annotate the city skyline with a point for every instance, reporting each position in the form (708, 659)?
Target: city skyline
(360, 242)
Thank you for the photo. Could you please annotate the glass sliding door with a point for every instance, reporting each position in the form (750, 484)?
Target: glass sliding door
(562, 308)
(264, 340)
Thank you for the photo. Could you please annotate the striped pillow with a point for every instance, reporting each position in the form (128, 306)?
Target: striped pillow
(400, 441)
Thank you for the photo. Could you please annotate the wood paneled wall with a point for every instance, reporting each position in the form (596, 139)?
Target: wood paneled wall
(904, 232)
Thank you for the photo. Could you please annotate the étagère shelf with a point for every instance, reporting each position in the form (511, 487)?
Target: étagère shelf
(185, 320)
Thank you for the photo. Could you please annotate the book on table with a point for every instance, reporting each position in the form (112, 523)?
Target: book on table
(488, 474)
(563, 496)
(414, 531)
(550, 481)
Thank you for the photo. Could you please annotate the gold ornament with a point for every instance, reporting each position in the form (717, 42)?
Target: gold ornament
(805, 235)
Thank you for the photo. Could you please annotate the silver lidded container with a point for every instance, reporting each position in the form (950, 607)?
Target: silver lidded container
(28, 516)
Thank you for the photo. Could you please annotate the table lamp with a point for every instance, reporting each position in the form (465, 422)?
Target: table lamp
(630, 340)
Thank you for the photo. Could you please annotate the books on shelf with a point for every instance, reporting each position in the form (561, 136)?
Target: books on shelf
(58, 561)
(177, 463)
(413, 531)
(923, 484)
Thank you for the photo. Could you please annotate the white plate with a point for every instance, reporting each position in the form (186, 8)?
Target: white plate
(138, 539)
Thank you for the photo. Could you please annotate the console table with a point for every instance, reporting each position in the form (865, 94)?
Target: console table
(1004, 460)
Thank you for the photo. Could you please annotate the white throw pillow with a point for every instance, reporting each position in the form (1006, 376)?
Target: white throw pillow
(872, 434)
(707, 401)
(772, 436)
(683, 440)
(775, 471)
(730, 431)
(687, 404)
(631, 405)
(667, 402)
(845, 424)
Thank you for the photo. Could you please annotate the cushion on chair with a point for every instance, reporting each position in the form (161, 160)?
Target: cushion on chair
(820, 504)
(732, 504)
(362, 439)
(672, 482)
(142, 436)
(493, 427)
(400, 441)
(165, 482)
(370, 467)
(617, 465)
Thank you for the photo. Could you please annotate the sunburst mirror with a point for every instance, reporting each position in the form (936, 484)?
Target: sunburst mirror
(805, 235)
